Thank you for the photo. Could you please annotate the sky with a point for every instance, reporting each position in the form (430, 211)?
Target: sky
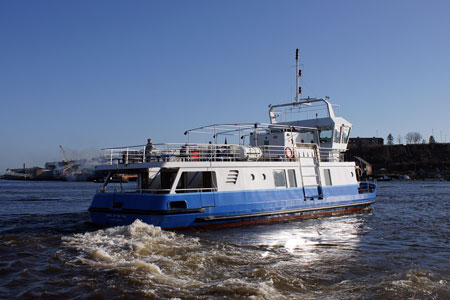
(95, 74)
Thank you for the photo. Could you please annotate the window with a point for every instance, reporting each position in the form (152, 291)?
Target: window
(168, 177)
(325, 135)
(327, 175)
(252, 176)
(345, 134)
(337, 135)
(292, 179)
(280, 178)
(196, 182)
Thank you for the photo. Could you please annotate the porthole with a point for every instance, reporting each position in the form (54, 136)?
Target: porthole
(252, 176)
(264, 176)
(352, 174)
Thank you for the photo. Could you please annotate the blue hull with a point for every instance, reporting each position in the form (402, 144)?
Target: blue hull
(226, 208)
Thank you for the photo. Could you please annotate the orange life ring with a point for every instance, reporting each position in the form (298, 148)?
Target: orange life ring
(288, 152)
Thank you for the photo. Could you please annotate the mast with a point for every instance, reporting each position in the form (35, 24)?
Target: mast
(298, 74)
(296, 77)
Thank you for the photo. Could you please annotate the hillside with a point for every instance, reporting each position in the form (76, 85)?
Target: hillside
(417, 160)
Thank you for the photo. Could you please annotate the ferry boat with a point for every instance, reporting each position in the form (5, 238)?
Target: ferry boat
(291, 167)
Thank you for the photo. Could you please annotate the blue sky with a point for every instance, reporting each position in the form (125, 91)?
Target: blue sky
(93, 74)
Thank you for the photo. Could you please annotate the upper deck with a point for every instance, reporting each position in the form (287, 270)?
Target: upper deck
(248, 142)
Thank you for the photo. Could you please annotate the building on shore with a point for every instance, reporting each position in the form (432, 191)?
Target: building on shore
(74, 170)
(365, 141)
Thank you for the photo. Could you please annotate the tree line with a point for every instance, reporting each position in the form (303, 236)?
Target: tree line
(410, 138)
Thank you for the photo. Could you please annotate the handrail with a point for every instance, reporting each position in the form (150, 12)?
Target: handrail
(200, 190)
(171, 152)
(136, 190)
(163, 191)
(305, 102)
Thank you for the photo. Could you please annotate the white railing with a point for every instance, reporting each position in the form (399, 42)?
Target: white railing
(150, 191)
(170, 152)
(331, 155)
(195, 190)
(211, 152)
(160, 191)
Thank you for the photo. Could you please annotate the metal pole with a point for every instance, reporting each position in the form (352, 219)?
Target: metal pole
(296, 75)
(256, 139)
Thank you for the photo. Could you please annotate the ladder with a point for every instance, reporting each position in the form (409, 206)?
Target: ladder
(309, 171)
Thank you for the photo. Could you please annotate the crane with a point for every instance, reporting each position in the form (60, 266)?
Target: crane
(67, 160)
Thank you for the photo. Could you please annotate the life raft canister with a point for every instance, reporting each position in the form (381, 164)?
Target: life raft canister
(195, 155)
(289, 152)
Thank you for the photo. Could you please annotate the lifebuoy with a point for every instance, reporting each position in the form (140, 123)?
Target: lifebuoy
(288, 152)
(359, 172)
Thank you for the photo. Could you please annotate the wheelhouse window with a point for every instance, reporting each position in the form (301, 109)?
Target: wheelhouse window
(279, 178)
(196, 181)
(337, 135)
(325, 135)
(345, 134)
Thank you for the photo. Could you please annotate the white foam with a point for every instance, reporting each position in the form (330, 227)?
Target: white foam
(251, 290)
(138, 245)
(416, 281)
(100, 254)
(159, 260)
(148, 267)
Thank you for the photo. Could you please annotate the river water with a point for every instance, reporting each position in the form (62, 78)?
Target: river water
(49, 249)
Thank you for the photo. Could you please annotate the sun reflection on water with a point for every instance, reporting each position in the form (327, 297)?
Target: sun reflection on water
(309, 240)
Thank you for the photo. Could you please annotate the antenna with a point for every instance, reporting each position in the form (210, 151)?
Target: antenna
(296, 78)
(298, 74)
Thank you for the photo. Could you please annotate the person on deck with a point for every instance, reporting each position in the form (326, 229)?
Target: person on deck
(148, 150)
